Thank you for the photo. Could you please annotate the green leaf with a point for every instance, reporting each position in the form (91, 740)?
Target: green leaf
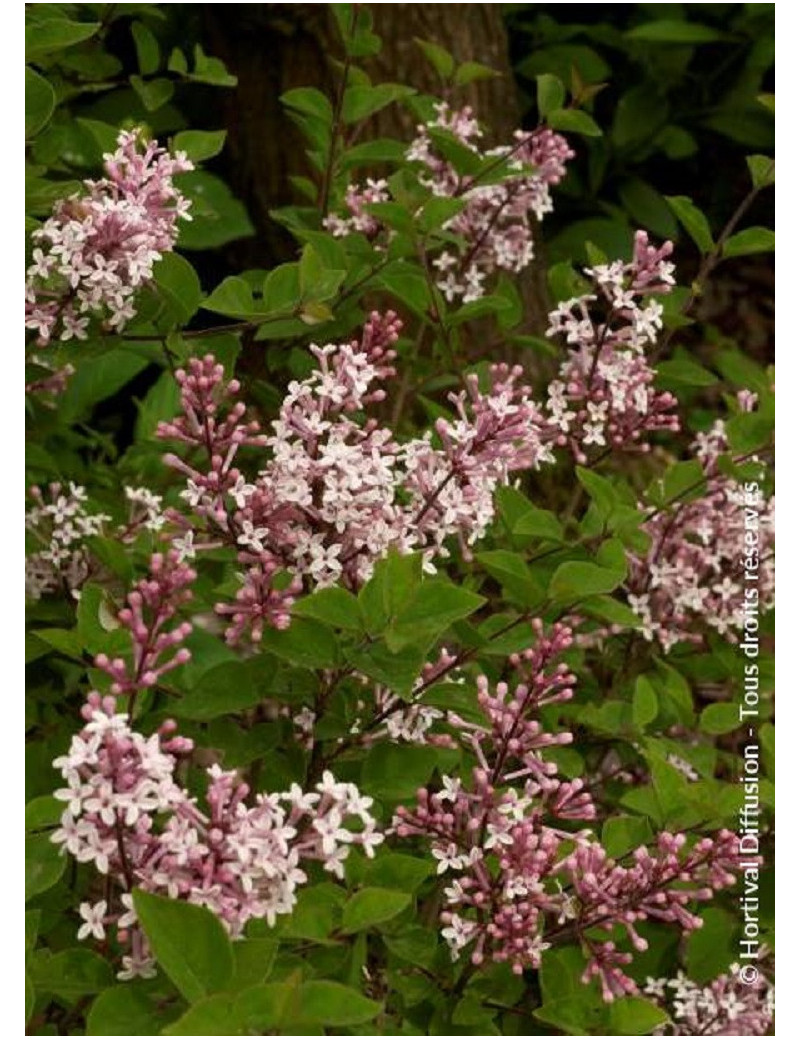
(331, 1004)
(360, 102)
(393, 583)
(623, 834)
(282, 291)
(398, 871)
(472, 71)
(44, 811)
(148, 53)
(66, 642)
(667, 30)
(178, 283)
(410, 288)
(463, 159)
(397, 670)
(264, 1009)
(153, 93)
(693, 221)
(213, 1016)
(304, 642)
(56, 34)
(442, 61)
(601, 491)
(127, 1010)
(762, 170)
(233, 297)
(218, 217)
(437, 211)
(253, 960)
(226, 689)
(742, 370)
(746, 432)
(188, 941)
(645, 703)
(372, 906)
(751, 240)
(335, 607)
(177, 62)
(647, 207)
(609, 609)
(513, 573)
(96, 380)
(70, 974)
(574, 120)
(684, 479)
(710, 949)
(392, 773)
(573, 581)
(161, 402)
(316, 282)
(309, 102)
(383, 149)
(634, 1016)
(676, 142)
(316, 913)
(200, 144)
(640, 113)
(40, 100)
(720, 718)
(685, 372)
(44, 864)
(435, 605)
(210, 70)
(573, 1016)
(539, 523)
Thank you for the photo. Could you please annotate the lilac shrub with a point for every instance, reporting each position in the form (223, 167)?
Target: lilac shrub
(385, 627)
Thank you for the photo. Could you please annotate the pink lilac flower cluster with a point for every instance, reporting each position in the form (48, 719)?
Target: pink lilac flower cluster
(127, 814)
(495, 434)
(146, 510)
(724, 1007)
(694, 574)
(359, 219)
(60, 523)
(604, 395)
(151, 608)
(521, 877)
(335, 493)
(97, 249)
(494, 223)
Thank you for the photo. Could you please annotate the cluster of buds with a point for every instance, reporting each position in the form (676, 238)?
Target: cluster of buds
(604, 394)
(98, 249)
(151, 606)
(521, 876)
